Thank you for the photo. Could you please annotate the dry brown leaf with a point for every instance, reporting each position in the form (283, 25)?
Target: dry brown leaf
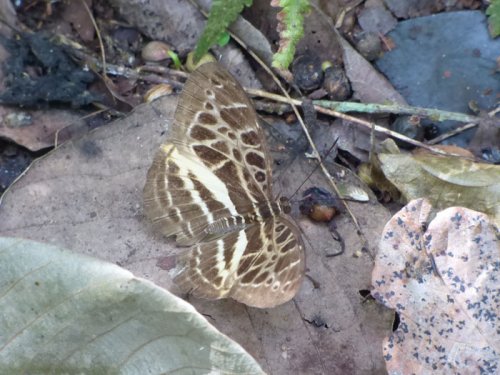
(36, 129)
(374, 17)
(76, 14)
(87, 195)
(444, 283)
(445, 181)
(368, 84)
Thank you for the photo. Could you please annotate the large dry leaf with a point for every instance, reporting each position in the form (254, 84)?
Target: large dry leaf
(62, 312)
(37, 129)
(368, 84)
(444, 283)
(87, 196)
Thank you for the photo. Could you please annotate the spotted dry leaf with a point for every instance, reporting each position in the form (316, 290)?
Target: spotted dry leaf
(445, 284)
(210, 187)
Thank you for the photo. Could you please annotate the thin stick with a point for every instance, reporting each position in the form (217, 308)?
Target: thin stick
(451, 133)
(367, 124)
(315, 153)
(434, 114)
(463, 128)
(106, 79)
(98, 33)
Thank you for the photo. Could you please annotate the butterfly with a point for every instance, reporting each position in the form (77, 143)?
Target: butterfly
(210, 187)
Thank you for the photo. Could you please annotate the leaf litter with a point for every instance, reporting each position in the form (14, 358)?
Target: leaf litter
(88, 196)
(83, 214)
(442, 279)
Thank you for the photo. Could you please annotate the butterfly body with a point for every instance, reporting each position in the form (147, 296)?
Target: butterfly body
(210, 187)
(263, 212)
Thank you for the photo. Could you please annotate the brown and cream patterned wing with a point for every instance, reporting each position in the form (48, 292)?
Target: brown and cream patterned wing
(182, 197)
(261, 266)
(216, 121)
(214, 164)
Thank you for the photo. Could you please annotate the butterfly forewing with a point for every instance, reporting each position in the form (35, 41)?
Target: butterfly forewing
(216, 122)
(210, 186)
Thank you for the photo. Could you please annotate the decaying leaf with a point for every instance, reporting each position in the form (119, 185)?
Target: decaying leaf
(371, 173)
(444, 283)
(445, 181)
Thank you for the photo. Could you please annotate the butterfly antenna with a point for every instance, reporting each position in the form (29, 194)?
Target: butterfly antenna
(315, 169)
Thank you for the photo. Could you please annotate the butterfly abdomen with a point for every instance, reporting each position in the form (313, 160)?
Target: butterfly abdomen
(264, 211)
(226, 225)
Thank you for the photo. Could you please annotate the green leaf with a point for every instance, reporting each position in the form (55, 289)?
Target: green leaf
(291, 29)
(67, 313)
(222, 14)
(224, 39)
(493, 12)
(175, 59)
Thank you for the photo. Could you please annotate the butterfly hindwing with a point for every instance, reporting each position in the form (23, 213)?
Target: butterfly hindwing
(260, 266)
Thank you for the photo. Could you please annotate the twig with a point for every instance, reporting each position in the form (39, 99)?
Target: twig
(433, 114)
(451, 133)
(163, 70)
(99, 38)
(271, 107)
(463, 128)
(105, 78)
(78, 52)
(367, 124)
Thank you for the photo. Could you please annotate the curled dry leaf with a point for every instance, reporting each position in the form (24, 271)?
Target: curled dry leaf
(443, 282)
(37, 129)
(445, 180)
(157, 91)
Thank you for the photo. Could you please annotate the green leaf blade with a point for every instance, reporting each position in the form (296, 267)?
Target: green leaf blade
(493, 12)
(222, 14)
(291, 29)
